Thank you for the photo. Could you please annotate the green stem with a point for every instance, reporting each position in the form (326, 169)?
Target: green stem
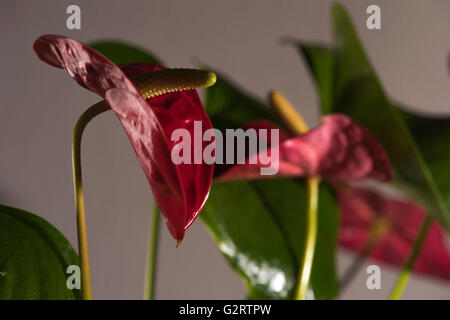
(152, 254)
(310, 241)
(81, 124)
(402, 280)
(376, 231)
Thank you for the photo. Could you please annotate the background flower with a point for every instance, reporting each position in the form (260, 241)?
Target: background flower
(338, 149)
(398, 223)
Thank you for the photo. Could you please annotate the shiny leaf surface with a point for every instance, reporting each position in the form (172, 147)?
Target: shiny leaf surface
(34, 257)
(258, 226)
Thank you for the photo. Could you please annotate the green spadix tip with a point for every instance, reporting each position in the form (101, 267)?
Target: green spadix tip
(210, 79)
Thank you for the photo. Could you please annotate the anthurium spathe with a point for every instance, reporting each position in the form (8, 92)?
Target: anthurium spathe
(338, 149)
(385, 229)
(179, 190)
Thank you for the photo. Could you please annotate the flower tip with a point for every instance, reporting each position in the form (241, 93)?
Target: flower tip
(273, 96)
(273, 93)
(178, 242)
(288, 114)
(211, 79)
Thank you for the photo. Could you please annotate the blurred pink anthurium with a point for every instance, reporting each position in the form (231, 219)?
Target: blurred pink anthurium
(180, 190)
(340, 151)
(396, 224)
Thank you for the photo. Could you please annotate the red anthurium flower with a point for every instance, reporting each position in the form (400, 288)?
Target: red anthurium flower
(338, 149)
(179, 190)
(395, 224)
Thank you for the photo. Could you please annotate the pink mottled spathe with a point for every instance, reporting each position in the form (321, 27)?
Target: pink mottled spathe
(338, 149)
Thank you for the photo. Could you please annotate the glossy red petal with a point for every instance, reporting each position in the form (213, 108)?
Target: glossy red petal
(361, 209)
(179, 190)
(338, 149)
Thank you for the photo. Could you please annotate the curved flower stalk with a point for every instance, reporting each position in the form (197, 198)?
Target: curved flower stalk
(151, 102)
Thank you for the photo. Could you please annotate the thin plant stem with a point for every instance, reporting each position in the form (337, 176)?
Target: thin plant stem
(86, 290)
(153, 237)
(311, 237)
(356, 265)
(377, 229)
(402, 280)
(297, 126)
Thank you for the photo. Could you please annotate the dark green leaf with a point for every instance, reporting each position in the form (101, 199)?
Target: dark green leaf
(34, 257)
(229, 107)
(432, 136)
(259, 227)
(122, 53)
(320, 61)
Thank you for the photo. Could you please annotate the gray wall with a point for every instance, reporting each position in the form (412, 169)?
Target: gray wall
(39, 106)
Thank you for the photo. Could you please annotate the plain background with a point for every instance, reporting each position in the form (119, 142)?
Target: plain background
(39, 106)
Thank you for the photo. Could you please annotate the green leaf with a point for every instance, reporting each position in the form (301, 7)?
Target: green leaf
(34, 257)
(320, 61)
(432, 136)
(358, 92)
(259, 227)
(122, 53)
(361, 95)
(229, 107)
